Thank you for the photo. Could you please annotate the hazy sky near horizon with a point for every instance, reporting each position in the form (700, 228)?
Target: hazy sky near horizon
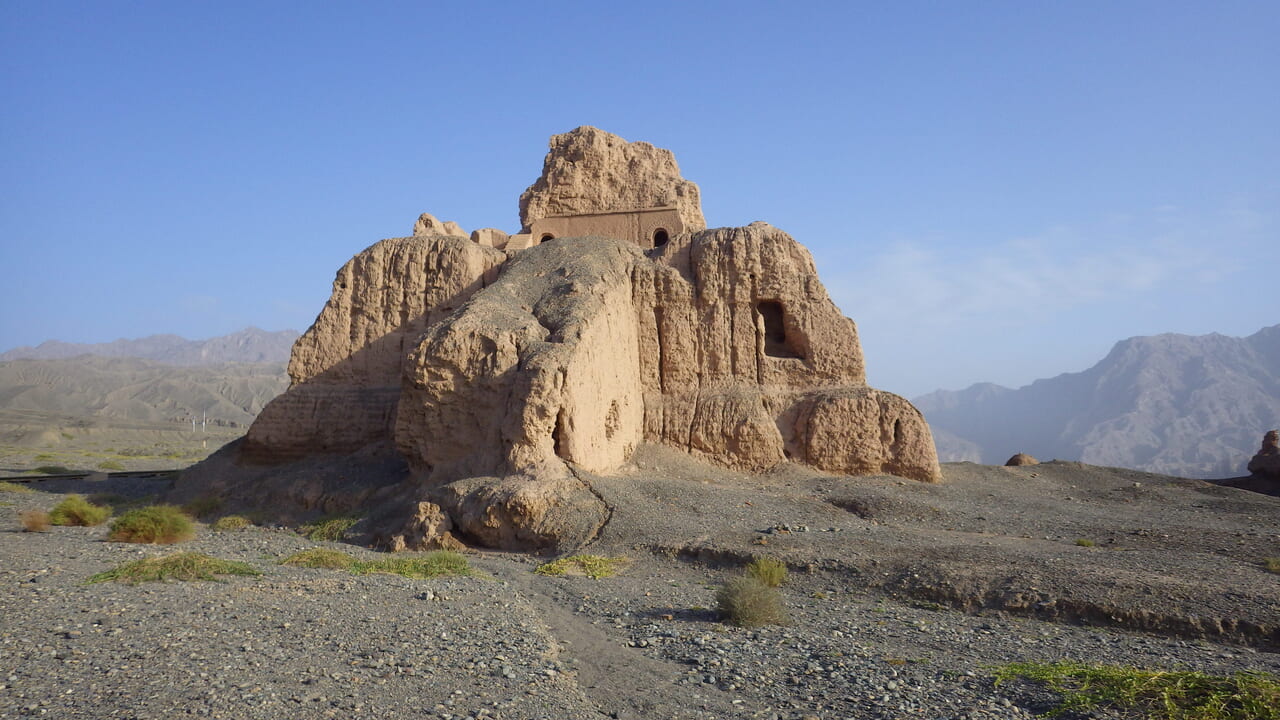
(994, 191)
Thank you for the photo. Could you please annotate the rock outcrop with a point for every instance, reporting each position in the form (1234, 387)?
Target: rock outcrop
(591, 171)
(427, 224)
(1021, 459)
(505, 380)
(1267, 462)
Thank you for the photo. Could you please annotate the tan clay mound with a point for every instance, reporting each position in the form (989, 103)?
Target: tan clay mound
(487, 382)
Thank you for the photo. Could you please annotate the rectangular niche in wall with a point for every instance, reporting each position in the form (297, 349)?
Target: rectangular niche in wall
(776, 342)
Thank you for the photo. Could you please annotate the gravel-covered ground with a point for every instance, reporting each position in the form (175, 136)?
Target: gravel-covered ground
(307, 643)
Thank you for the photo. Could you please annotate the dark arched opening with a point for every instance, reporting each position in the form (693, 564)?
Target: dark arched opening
(557, 435)
(546, 237)
(775, 330)
(660, 237)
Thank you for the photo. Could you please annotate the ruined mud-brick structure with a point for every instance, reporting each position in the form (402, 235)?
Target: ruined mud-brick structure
(469, 386)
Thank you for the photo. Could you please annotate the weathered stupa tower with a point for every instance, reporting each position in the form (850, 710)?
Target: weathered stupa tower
(469, 386)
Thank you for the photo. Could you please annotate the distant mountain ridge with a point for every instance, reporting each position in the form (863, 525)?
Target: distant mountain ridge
(1193, 406)
(131, 389)
(250, 345)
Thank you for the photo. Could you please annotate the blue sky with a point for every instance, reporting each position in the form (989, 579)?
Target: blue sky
(994, 191)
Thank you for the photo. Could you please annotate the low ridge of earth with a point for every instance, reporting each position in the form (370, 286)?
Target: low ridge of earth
(91, 413)
(249, 345)
(902, 597)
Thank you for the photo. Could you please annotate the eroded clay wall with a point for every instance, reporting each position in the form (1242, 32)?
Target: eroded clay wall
(638, 227)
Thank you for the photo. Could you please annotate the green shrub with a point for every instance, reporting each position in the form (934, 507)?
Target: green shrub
(110, 465)
(1158, 695)
(52, 470)
(592, 566)
(768, 571)
(1085, 542)
(75, 510)
(433, 564)
(328, 529)
(1271, 564)
(232, 522)
(320, 558)
(202, 506)
(6, 486)
(153, 524)
(178, 566)
(747, 602)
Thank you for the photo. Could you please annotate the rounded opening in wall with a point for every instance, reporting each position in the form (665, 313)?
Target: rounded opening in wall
(660, 237)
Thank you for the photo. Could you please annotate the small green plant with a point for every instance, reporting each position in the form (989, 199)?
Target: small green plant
(1271, 565)
(1181, 695)
(44, 456)
(328, 529)
(75, 510)
(747, 602)
(1085, 542)
(178, 566)
(153, 524)
(6, 486)
(433, 564)
(34, 520)
(52, 470)
(110, 465)
(592, 566)
(202, 507)
(768, 571)
(320, 558)
(231, 522)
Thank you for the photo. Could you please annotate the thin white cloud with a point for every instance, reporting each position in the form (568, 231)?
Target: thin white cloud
(1031, 277)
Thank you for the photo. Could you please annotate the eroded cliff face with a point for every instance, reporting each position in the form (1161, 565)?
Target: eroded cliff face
(590, 171)
(723, 345)
(346, 369)
(504, 380)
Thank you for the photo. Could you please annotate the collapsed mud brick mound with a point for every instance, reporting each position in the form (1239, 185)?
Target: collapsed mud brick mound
(502, 381)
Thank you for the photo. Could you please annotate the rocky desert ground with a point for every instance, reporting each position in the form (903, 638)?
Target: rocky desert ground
(902, 598)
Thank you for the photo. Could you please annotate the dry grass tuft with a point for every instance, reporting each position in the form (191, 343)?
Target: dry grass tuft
(232, 522)
(329, 529)
(75, 510)
(202, 507)
(768, 571)
(320, 558)
(154, 524)
(1158, 695)
(34, 520)
(592, 566)
(441, 563)
(747, 602)
(178, 566)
